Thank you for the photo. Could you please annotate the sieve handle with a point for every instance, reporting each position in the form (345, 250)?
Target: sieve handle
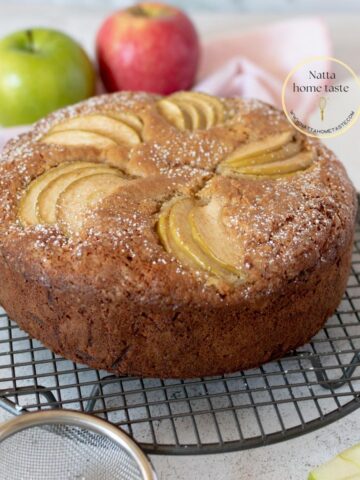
(16, 409)
(11, 407)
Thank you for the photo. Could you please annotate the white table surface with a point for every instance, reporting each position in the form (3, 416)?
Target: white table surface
(290, 460)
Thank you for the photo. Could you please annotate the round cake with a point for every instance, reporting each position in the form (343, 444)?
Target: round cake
(175, 236)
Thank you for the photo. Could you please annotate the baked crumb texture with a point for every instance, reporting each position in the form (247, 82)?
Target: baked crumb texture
(177, 237)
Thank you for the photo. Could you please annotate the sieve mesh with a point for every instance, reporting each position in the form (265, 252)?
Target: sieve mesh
(64, 452)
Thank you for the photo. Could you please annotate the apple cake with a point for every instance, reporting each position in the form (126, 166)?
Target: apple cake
(173, 236)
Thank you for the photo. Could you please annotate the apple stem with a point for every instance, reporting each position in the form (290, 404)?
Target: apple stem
(142, 11)
(30, 37)
(138, 11)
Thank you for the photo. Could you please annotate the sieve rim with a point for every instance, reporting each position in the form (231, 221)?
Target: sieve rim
(79, 419)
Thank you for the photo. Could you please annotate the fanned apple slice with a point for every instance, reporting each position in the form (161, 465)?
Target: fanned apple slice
(214, 239)
(170, 245)
(286, 151)
(180, 237)
(162, 229)
(27, 213)
(183, 245)
(215, 102)
(298, 162)
(174, 114)
(131, 119)
(192, 110)
(46, 203)
(200, 103)
(81, 197)
(275, 156)
(198, 119)
(104, 125)
(265, 146)
(78, 138)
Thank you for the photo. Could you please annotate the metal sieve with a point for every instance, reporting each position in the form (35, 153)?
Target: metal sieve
(66, 445)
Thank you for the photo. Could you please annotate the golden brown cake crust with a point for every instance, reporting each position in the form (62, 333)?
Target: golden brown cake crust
(114, 298)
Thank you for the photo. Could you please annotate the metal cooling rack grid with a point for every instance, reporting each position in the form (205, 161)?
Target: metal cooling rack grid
(301, 392)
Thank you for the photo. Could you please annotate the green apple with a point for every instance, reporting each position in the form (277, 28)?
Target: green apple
(41, 70)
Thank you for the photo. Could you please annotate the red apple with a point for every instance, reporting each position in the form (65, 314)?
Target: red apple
(150, 47)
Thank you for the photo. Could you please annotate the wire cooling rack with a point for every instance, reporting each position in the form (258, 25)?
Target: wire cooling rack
(309, 388)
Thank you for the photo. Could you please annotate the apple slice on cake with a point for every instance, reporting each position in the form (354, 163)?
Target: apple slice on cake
(196, 236)
(275, 156)
(174, 114)
(175, 233)
(28, 213)
(196, 115)
(200, 103)
(212, 108)
(47, 200)
(214, 238)
(192, 110)
(176, 236)
(77, 138)
(282, 153)
(253, 152)
(294, 164)
(98, 130)
(64, 194)
(129, 118)
(79, 199)
(180, 235)
(216, 104)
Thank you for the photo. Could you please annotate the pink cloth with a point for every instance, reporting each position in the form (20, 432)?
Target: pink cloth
(252, 64)
(255, 64)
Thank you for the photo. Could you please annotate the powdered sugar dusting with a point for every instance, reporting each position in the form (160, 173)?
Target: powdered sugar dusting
(280, 224)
